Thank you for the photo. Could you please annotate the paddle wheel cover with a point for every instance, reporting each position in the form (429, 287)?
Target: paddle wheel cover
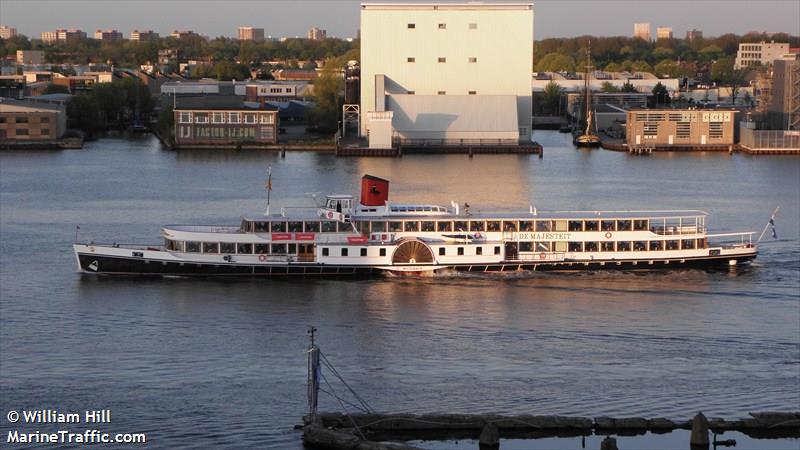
(412, 252)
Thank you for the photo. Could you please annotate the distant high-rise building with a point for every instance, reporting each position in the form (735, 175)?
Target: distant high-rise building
(663, 33)
(108, 35)
(144, 35)
(642, 31)
(30, 57)
(251, 34)
(761, 54)
(694, 34)
(69, 35)
(49, 36)
(317, 34)
(178, 34)
(7, 32)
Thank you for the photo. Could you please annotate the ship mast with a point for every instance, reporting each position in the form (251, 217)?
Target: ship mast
(588, 91)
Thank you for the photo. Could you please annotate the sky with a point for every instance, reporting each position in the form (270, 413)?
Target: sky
(279, 18)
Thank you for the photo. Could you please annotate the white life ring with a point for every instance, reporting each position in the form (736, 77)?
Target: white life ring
(608, 235)
(542, 255)
(330, 215)
(477, 235)
(262, 257)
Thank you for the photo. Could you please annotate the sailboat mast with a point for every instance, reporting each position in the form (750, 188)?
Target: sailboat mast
(588, 98)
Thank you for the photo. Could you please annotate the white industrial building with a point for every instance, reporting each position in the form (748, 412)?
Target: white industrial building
(446, 73)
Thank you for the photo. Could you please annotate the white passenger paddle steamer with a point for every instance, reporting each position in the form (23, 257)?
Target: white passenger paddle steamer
(370, 235)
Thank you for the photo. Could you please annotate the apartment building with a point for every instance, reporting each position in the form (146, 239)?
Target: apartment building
(663, 33)
(642, 31)
(108, 35)
(251, 34)
(761, 54)
(7, 32)
(317, 34)
(144, 35)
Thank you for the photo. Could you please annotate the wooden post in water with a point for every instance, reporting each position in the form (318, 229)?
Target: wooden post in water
(699, 438)
(313, 376)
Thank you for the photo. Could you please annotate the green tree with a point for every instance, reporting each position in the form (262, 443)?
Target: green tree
(608, 87)
(723, 71)
(556, 62)
(328, 97)
(628, 87)
(641, 66)
(551, 98)
(660, 94)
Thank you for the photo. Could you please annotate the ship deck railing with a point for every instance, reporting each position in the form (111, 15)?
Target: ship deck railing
(743, 239)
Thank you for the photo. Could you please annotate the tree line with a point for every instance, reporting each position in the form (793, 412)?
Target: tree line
(127, 53)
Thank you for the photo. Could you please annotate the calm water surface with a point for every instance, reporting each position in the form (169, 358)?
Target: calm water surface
(221, 363)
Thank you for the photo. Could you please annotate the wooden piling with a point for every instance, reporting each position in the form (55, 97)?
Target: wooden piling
(699, 437)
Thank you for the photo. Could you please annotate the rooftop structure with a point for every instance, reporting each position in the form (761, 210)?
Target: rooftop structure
(573, 82)
(642, 31)
(251, 34)
(430, 72)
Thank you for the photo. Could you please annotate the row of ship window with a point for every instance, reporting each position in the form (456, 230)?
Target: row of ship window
(556, 246)
(672, 226)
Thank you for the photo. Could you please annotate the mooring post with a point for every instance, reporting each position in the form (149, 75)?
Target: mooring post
(489, 438)
(699, 438)
(608, 443)
(313, 376)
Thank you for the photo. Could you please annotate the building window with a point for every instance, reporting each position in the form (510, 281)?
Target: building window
(344, 252)
(20, 119)
(249, 118)
(268, 119)
(442, 59)
(186, 117)
(473, 59)
(472, 92)
(410, 92)
(441, 92)
(201, 117)
(460, 251)
(411, 26)
(473, 26)
(497, 250)
(363, 252)
(21, 132)
(715, 130)
(683, 130)
(411, 59)
(325, 251)
(441, 251)
(442, 26)
(383, 252)
(218, 117)
(44, 120)
(233, 117)
(478, 251)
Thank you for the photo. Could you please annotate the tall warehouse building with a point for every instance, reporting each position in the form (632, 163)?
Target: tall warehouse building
(446, 72)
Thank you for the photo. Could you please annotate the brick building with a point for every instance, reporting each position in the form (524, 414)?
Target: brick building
(31, 121)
